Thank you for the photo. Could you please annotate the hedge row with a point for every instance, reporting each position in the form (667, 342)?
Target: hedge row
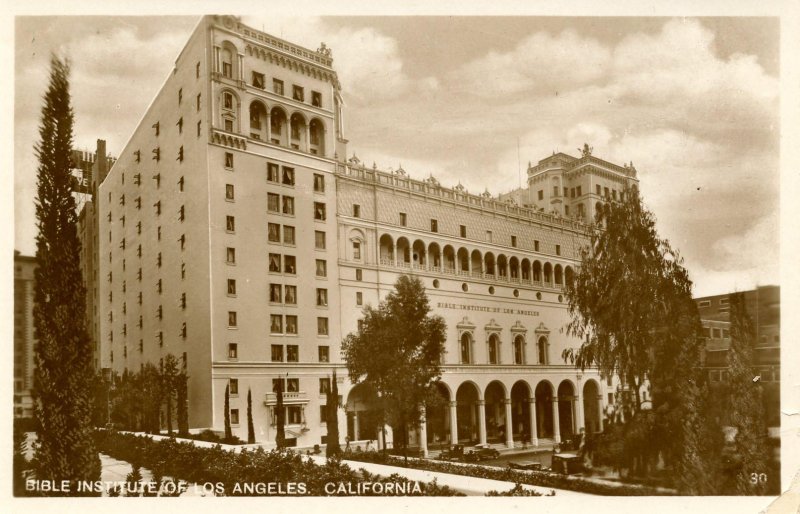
(194, 464)
(537, 478)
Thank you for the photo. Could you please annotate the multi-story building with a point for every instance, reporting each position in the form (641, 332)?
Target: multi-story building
(24, 336)
(763, 306)
(235, 235)
(90, 169)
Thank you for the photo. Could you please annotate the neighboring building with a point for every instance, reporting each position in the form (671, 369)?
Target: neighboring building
(763, 306)
(90, 169)
(234, 235)
(24, 338)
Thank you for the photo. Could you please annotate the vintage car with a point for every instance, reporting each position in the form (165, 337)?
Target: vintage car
(455, 452)
(483, 452)
(567, 463)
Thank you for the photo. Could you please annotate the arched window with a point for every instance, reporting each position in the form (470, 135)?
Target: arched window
(494, 349)
(541, 347)
(316, 132)
(466, 348)
(519, 350)
(229, 111)
(227, 63)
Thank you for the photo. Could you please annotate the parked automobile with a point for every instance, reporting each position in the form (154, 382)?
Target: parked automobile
(483, 452)
(455, 452)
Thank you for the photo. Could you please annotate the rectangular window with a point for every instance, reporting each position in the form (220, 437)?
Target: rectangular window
(359, 274)
(356, 250)
(726, 333)
(233, 351)
(704, 303)
(232, 319)
(198, 102)
(234, 416)
(273, 172)
(292, 351)
(291, 295)
(598, 190)
(231, 287)
(276, 324)
(227, 101)
(288, 235)
(324, 385)
(322, 297)
(276, 353)
(462, 229)
(230, 255)
(298, 93)
(566, 192)
(197, 70)
(555, 191)
(488, 236)
(288, 205)
(316, 99)
(289, 265)
(319, 211)
(319, 240)
(605, 192)
(233, 386)
(541, 194)
(274, 232)
(275, 293)
(277, 86)
(356, 211)
(294, 416)
(724, 301)
(288, 176)
(514, 241)
(198, 128)
(359, 298)
(274, 263)
(717, 333)
(535, 245)
(291, 325)
(578, 192)
(229, 194)
(614, 194)
(434, 226)
(319, 183)
(322, 268)
(228, 160)
(258, 80)
(322, 326)
(323, 353)
(230, 223)
(558, 249)
(403, 219)
(273, 202)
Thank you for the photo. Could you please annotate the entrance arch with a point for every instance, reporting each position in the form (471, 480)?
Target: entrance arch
(566, 409)
(521, 411)
(363, 415)
(437, 417)
(495, 412)
(544, 410)
(467, 402)
(591, 407)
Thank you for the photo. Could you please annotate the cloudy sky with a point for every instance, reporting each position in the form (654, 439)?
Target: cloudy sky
(693, 102)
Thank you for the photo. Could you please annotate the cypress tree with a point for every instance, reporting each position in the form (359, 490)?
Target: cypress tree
(280, 435)
(747, 405)
(332, 447)
(228, 433)
(182, 407)
(251, 431)
(63, 371)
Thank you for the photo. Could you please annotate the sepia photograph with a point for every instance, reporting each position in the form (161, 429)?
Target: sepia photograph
(402, 254)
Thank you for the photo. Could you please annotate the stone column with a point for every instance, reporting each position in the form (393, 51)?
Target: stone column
(355, 426)
(600, 411)
(579, 415)
(307, 142)
(423, 433)
(509, 424)
(269, 126)
(556, 427)
(454, 422)
(482, 421)
(534, 434)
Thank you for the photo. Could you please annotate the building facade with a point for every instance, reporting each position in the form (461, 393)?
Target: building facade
(763, 306)
(24, 336)
(235, 235)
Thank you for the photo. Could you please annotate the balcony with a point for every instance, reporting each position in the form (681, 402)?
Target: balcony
(289, 398)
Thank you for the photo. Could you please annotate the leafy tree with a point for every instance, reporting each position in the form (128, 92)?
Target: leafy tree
(747, 404)
(182, 405)
(63, 373)
(228, 433)
(169, 381)
(149, 383)
(251, 431)
(397, 353)
(631, 306)
(332, 447)
(280, 434)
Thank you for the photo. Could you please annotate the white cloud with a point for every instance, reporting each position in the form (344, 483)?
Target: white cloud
(541, 62)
